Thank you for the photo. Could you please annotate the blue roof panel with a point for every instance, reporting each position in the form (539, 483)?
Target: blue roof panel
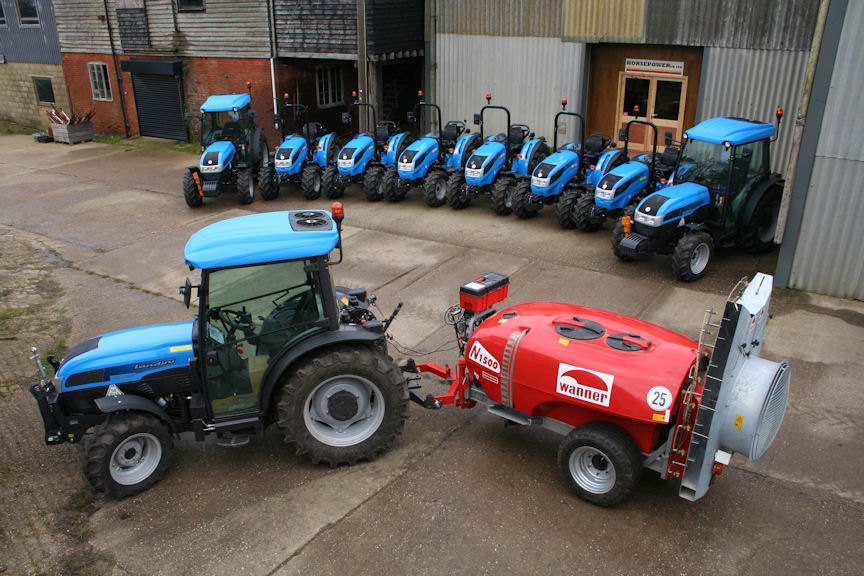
(259, 238)
(225, 102)
(733, 130)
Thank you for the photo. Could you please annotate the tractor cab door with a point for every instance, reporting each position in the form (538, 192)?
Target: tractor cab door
(749, 167)
(253, 313)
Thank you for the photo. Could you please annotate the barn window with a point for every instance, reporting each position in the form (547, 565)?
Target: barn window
(329, 79)
(44, 90)
(27, 13)
(99, 83)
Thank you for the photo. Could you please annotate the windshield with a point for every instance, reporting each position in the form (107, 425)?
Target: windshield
(218, 126)
(705, 163)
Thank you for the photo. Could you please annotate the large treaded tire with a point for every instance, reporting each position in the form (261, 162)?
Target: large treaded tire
(757, 235)
(584, 221)
(617, 237)
(311, 182)
(267, 186)
(520, 205)
(390, 185)
(565, 210)
(435, 188)
(372, 183)
(127, 453)
(456, 198)
(600, 462)
(190, 191)
(331, 189)
(692, 255)
(502, 195)
(245, 186)
(335, 375)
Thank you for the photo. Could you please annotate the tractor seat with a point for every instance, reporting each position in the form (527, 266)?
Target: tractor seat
(312, 131)
(450, 132)
(515, 136)
(383, 131)
(666, 162)
(595, 144)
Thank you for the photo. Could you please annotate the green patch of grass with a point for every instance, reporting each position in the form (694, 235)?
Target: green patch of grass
(107, 138)
(9, 313)
(188, 148)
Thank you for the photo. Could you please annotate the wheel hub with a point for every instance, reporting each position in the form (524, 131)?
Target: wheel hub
(343, 405)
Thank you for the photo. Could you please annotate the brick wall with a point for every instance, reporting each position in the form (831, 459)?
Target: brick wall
(108, 117)
(18, 100)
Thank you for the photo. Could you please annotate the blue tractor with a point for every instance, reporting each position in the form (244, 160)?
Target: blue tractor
(497, 164)
(566, 174)
(233, 152)
(366, 156)
(302, 156)
(273, 341)
(429, 160)
(723, 193)
(622, 188)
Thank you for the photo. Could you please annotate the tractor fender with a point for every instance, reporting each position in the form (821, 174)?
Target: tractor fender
(193, 169)
(132, 403)
(323, 149)
(346, 333)
(759, 190)
(465, 146)
(526, 161)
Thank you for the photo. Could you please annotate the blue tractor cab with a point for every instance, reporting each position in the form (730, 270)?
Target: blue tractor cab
(563, 176)
(428, 161)
(722, 193)
(627, 184)
(366, 156)
(273, 341)
(497, 164)
(303, 155)
(234, 152)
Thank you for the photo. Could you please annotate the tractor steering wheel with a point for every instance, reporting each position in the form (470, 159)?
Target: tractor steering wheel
(235, 320)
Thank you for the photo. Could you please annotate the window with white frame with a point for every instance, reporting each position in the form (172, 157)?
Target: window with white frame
(2, 16)
(27, 12)
(99, 83)
(329, 80)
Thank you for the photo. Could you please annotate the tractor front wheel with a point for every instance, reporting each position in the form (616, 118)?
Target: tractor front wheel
(310, 182)
(502, 195)
(267, 186)
(600, 463)
(521, 207)
(190, 191)
(617, 236)
(332, 190)
(390, 188)
(565, 211)
(457, 198)
(127, 453)
(245, 186)
(584, 217)
(692, 255)
(342, 405)
(435, 188)
(372, 183)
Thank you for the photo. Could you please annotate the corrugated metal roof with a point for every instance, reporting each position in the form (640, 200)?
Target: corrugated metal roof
(527, 75)
(541, 18)
(603, 20)
(751, 84)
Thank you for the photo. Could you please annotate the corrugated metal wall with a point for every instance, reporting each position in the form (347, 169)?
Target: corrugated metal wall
(828, 255)
(604, 21)
(30, 44)
(751, 84)
(499, 17)
(527, 75)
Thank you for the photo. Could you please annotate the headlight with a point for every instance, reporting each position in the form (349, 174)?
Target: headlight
(474, 172)
(653, 221)
(286, 163)
(604, 194)
(346, 163)
(406, 166)
(211, 169)
(539, 182)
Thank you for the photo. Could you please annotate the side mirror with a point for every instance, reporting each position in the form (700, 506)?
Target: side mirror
(188, 117)
(668, 138)
(410, 117)
(477, 119)
(622, 135)
(277, 118)
(346, 118)
(186, 291)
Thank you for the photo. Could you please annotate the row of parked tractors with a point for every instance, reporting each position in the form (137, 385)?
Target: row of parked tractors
(712, 189)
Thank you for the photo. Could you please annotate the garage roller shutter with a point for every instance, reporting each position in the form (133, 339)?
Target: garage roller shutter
(159, 99)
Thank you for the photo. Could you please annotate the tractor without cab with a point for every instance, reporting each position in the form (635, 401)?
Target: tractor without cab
(625, 394)
(622, 188)
(428, 161)
(562, 177)
(497, 165)
(273, 341)
(234, 152)
(366, 156)
(723, 193)
(302, 156)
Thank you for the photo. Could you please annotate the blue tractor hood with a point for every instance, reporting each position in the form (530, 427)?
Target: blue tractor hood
(415, 160)
(484, 163)
(674, 202)
(355, 155)
(291, 154)
(554, 172)
(217, 156)
(126, 356)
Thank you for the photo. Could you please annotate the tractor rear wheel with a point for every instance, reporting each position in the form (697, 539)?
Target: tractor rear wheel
(585, 221)
(267, 186)
(521, 207)
(600, 463)
(245, 186)
(332, 190)
(343, 404)
(692, 255)
(502, 195)
(390, 185)
(457, 198)
(435, 188)
(310, 181)
(127, 453)
(372, 183)
(190, 191)
(565, 211)
(757, 235)
(617, 236)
